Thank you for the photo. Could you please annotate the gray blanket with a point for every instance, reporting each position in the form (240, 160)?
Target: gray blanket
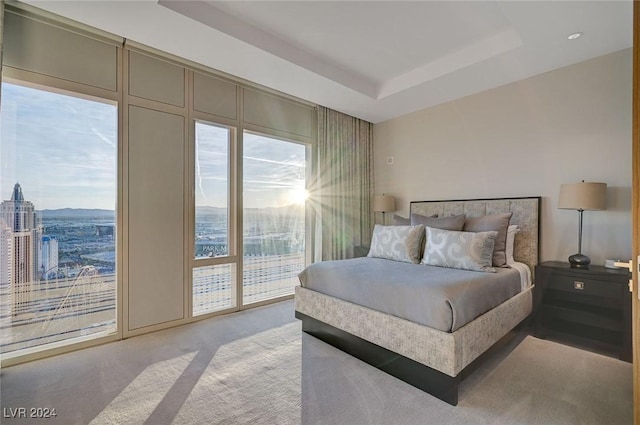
(441, 298)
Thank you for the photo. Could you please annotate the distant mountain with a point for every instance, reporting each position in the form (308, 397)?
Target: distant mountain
(99, 213)
(77, 213)
(271, 210)
(209, 210)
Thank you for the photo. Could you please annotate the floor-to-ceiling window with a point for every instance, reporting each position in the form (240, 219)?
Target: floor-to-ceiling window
(274, 197)
(99, 125)
(58, 189)
(273, 238)
(214, 272)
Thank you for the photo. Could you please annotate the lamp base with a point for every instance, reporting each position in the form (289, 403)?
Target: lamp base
(579, 261)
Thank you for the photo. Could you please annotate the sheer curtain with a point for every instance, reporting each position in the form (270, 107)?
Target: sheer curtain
(1, 32)
(342, 189)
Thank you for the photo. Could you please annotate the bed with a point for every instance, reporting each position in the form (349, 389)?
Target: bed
(404, 340)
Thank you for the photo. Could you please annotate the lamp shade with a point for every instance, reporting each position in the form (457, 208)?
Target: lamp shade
(384, 203)
(587, 196)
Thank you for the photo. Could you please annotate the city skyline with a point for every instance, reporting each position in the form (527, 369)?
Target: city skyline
(58, 192)
(58, 274)
(63, 151)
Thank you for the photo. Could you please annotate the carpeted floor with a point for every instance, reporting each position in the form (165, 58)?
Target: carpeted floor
(257, 367)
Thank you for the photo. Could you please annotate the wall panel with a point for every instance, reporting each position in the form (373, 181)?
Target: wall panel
(274, 113)
(155, 79)
(46, 49)
(156, 217)
(214, 96)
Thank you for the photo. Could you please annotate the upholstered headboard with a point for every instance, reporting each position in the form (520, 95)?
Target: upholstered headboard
(526, 214)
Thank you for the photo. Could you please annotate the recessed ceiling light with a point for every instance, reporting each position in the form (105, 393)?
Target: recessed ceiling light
(574, 35)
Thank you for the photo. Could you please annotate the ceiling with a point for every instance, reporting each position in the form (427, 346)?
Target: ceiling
(372, 59)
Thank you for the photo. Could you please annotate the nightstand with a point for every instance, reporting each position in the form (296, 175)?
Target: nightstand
(589, 308)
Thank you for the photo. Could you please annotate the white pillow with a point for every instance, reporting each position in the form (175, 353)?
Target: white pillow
(460, 250)
(399, 243)
(511, 237)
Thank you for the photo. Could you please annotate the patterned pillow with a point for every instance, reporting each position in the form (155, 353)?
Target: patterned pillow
(400, 243)
(460, 250)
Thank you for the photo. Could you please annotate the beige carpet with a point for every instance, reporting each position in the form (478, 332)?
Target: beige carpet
(257, 367)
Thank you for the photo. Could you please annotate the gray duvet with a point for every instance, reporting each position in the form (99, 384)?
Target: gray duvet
(441, 298)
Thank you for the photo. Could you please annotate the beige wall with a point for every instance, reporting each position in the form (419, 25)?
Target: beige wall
(525, 139)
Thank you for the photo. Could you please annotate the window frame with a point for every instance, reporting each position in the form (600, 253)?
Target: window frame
(78, 90)
(232, 256)
(308, 145)
(235, 220)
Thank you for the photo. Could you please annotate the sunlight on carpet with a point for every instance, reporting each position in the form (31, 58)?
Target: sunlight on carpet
(253, 380)
(136, 402)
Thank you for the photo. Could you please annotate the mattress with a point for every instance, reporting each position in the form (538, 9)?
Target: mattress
(440, 298)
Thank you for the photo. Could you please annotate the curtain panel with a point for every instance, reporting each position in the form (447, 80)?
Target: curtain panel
(1, 33)
(342, 190)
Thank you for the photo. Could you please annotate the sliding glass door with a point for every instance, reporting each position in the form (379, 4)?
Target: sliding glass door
(274, 198)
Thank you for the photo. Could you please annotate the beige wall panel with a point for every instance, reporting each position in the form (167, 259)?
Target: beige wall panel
(214, 96)
(45, 49)
(156, 217)
(272, 112)
(155, 79)
(525, 139)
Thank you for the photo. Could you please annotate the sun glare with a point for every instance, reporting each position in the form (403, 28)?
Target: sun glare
(298, 196)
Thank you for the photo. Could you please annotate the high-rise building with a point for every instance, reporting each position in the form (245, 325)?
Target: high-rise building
(6, 254)
(49, 257)
(17, 213)
(23, 237)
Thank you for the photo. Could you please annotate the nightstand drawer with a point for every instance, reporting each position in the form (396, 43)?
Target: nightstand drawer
(580, 285)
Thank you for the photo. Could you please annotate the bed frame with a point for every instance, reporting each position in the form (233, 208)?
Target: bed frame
(429, 359)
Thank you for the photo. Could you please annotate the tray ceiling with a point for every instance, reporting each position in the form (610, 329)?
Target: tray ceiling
(372, 59)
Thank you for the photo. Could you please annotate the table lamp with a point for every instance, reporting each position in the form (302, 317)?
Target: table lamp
(384, 203)
(582, 197)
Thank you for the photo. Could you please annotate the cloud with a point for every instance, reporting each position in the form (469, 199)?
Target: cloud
(63, 151)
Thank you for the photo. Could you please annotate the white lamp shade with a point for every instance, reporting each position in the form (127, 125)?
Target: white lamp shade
(586, 196)
(384, 203)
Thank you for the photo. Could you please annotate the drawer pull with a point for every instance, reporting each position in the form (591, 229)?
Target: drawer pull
(578, 285)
